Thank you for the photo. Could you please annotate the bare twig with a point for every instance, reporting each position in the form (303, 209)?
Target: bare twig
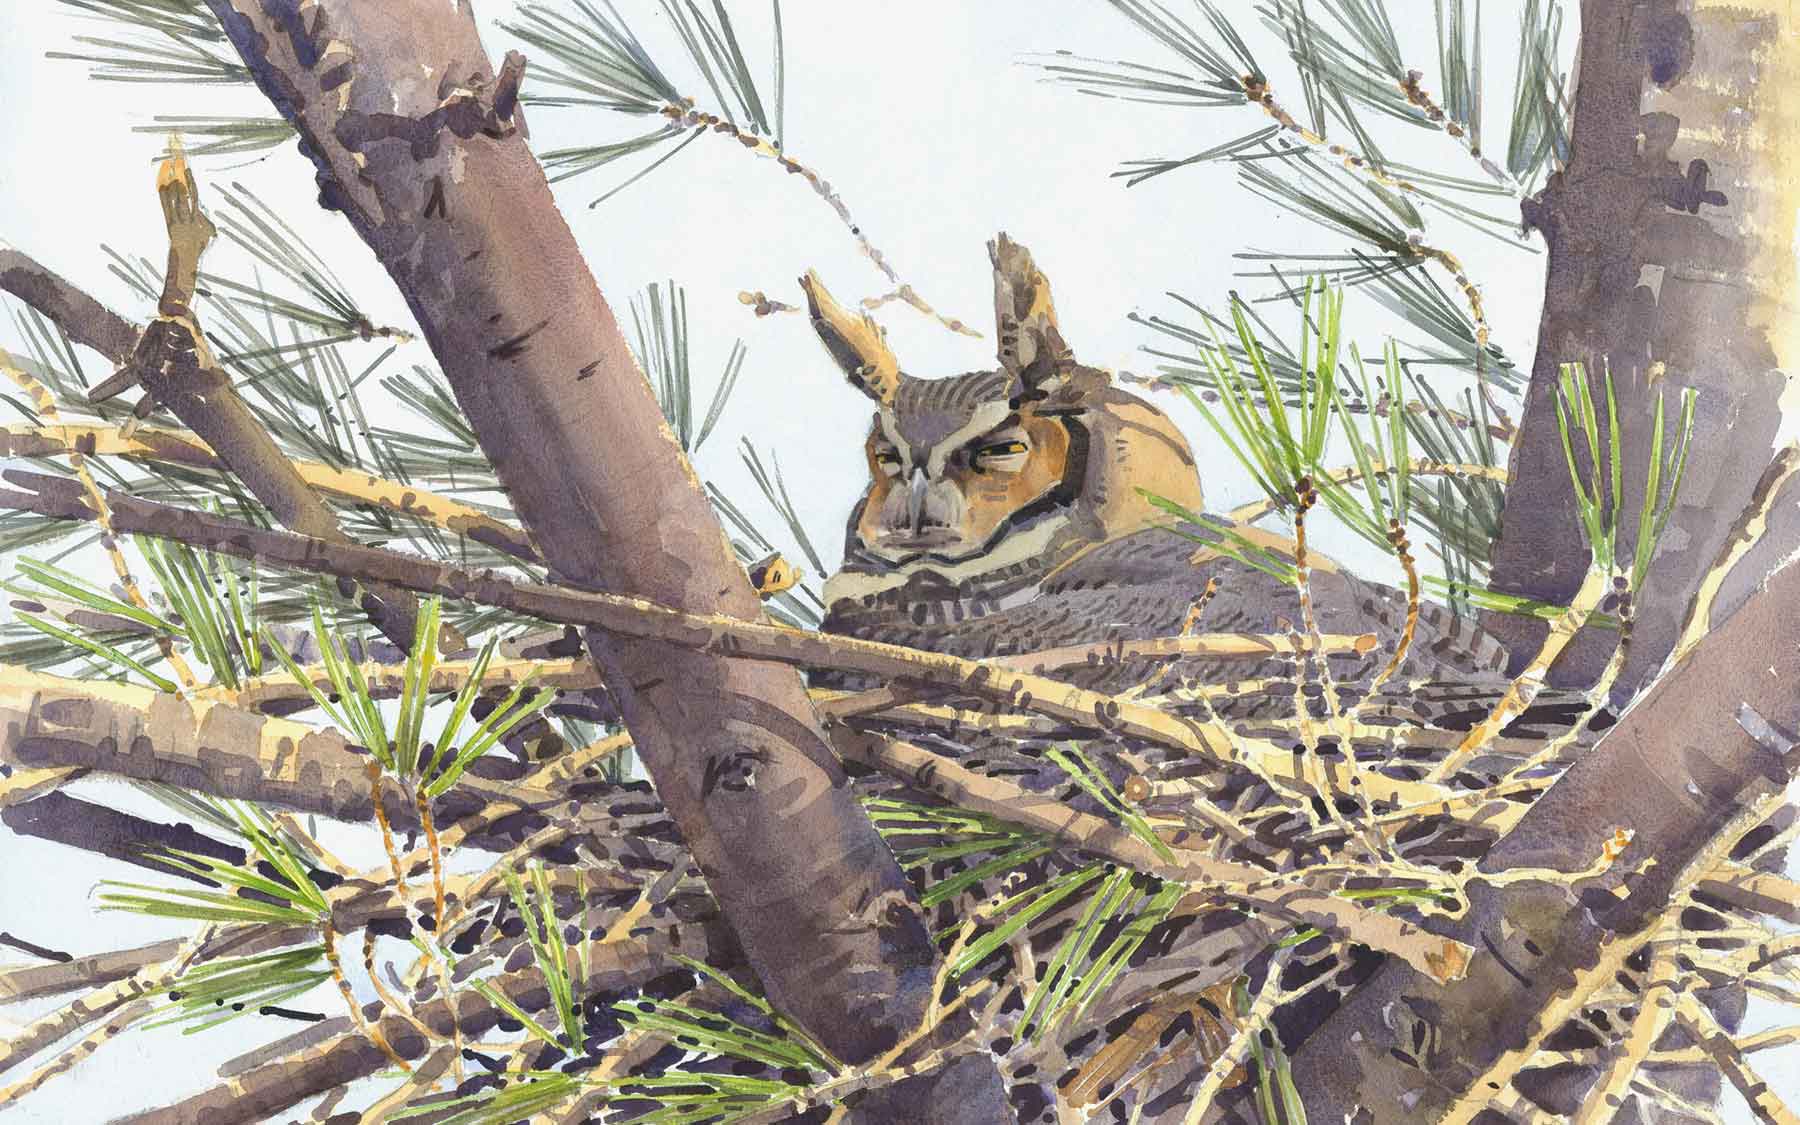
(83, 972)
(1749, 1044)
(282, 692)
(1262, 1010)
(29, 784)
(372, 1032)
(422, 802)
(1305, 496)
(1257, 509)
(1211, 1017)
(1718, 1045)
(45, 404)
(764, 305)
(1403, 552)
(1525, 687)
(374, 772)
(384, 994)
(180, 447)
(689, 117)
(1423, 101)
(1442, 958)
(116, 1023)
(1598, 696)
(104, 1001)
(713, 633)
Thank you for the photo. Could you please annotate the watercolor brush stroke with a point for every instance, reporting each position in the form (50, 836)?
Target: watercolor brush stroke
(532, 596)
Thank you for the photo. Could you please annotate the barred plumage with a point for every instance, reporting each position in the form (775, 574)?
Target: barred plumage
(1008, 513)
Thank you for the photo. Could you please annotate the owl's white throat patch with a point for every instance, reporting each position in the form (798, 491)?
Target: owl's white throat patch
(1015, 546)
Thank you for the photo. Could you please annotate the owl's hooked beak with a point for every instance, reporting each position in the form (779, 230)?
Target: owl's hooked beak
(915, 502)
(916, 515)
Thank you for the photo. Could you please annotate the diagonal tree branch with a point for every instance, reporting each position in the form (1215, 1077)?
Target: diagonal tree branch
(166, 357)
(86, 320)
(54, 979)
(281, 694)
(175, 447)
(108, 999)
(215, 748)
(264, 1091)
(1708, 752)
(417, 143)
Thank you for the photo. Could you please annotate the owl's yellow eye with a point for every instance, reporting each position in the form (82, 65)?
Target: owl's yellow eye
(889, 460)
(987, 455)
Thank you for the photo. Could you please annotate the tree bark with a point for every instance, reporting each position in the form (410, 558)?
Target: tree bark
(1693, 754)
(201, 395)
(224, 750)
(650, 623)
(265, 1091)
(346, 486)
(417, 142)
(1670, 236)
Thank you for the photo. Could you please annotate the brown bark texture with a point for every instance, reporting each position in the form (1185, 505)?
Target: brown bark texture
(1669, 234)
(1670, 261)
(421, 148)
(1705, 744)
(161, 358)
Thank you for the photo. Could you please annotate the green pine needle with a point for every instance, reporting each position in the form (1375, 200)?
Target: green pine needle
(591, 58)
(104, 651)
(1539, 134)
(526, 1095)
(215, 992)
(1072, 760)
(288, 897)
(661, 321)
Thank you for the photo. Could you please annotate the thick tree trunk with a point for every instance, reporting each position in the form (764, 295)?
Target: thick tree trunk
(1670, 235)
(416, 141)
(1692, 755)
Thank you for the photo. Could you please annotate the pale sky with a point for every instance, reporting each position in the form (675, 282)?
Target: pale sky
(921, 115)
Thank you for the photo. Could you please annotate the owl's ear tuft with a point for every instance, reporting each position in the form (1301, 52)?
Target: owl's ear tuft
(1032, 349)
(855, 341)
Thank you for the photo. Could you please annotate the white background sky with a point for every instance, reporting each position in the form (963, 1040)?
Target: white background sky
(922, 116)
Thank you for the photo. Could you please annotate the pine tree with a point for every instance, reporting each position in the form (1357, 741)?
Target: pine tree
(316, 612)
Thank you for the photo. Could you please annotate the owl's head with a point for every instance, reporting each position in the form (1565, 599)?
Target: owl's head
(1013, 470)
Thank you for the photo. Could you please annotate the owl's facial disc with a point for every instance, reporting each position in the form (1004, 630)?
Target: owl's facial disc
(962, 496)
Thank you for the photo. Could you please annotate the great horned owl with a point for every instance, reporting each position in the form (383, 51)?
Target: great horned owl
(1009, 510)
